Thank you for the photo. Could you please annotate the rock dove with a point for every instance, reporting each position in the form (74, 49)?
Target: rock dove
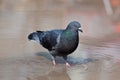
(60, 42)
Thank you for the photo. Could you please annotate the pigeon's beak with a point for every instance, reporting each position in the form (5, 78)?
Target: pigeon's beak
(80, 29)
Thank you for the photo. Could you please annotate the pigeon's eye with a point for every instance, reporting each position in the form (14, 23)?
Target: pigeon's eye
(75, 25)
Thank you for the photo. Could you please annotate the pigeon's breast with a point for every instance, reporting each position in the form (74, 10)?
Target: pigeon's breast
(68, 43)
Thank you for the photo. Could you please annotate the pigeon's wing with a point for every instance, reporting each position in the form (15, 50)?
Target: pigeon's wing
(48, 39)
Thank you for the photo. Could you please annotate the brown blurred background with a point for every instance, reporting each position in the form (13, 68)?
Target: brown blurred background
(100, 20)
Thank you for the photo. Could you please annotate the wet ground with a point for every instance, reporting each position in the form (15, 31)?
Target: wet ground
(96, 58)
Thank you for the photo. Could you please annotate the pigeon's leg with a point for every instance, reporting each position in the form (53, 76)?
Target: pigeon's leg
(53, 60)
(66, 62)
(53, 57)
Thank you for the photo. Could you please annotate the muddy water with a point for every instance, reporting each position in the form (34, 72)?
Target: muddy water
(96, 58)
(105, 65)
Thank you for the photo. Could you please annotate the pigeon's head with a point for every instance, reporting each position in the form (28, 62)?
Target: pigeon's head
(33, 36)
(74, 25)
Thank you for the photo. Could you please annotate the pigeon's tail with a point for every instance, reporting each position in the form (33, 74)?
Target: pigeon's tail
(40, 35)
(39, 31)
(36, 36)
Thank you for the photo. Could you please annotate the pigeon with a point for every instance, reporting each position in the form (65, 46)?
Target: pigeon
(59, 42)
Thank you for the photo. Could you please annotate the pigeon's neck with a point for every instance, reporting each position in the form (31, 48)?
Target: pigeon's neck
(69, 34)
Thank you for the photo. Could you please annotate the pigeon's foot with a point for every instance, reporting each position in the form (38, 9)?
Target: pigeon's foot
(54, 63)
(67, 64)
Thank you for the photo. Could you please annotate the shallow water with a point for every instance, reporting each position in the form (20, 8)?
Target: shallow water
(104, 66)
(96, 58)
(20, 60)
(23, 60)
